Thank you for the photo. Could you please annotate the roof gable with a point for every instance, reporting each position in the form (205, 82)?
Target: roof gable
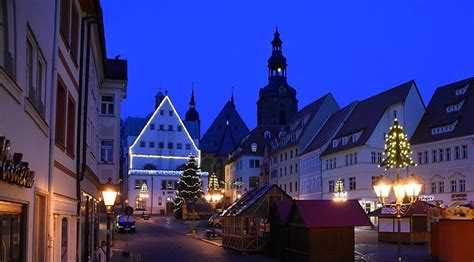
(367, 114)
(449, 113)
(156, 119)
(225, 132)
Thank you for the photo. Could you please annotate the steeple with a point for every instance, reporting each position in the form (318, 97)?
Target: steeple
(192, 103)
(277, 62)
(232, 98)
(159, 97)
(191, 119)
(192, 114)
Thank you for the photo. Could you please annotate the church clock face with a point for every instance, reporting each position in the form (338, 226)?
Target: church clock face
(282, 89)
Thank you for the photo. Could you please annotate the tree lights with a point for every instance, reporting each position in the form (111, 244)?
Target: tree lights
(189, 185)
(397, 149)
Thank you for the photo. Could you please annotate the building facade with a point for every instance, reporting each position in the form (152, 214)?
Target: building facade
(442, 145)
(156, 158)
(356, 150)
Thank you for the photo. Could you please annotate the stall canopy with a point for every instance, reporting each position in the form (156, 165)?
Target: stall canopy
(329, 213)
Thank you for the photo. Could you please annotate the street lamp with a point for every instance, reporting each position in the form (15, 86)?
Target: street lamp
(109, 193)
(410, 188)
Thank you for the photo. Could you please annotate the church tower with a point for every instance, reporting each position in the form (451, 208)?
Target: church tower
(277, 102)
(191, 120)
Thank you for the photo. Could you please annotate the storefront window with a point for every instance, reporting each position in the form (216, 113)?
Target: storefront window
(64, 238)
(10, 232)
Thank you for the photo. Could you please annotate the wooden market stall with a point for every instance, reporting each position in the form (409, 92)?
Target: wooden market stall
(196, 209)
(278, 227)
(323, 230)
(415, 224)
(244, 222)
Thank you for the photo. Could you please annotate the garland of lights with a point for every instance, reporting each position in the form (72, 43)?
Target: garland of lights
(189, 184)
(397, 149)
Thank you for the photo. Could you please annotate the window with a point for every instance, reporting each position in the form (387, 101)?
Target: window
(74, 41)
(373, 157)
(444, 129)
(179, 128)
(267, 134)
(161, 145)
(281, 157)
(188, 146)
(253, 147)
(170, 128)
(139, 183)
(179, 146)
(379, 157)
(70, 26)
(71, 125)
(281, 172)
(464, 151)
(334, 143)
(433, 187)
(331, 186)
(39, 228)
(296, 186)
(142, 144)
(420, 158)
(254, 182)
(286, 156)
(284, 186)
(162, 112)
(434, 155)
(291, 169)
(454, 186)
(461, 91)
(457, 154)
(454, 107)
(65, 18)
(106, 151)
(441, 155)
(285, 170)
(7, 36)
(152, 126)
(35, 75)
(448, 154)
(441, 187)
(355, 158)
(426, 157)
(347, 160)
(334, 162)
(352, 183)
(296, 167)
(162, 127)
(61, 114)
(107, 105)
(355, 137)
(291, 187)
(462, 185)
(170, 145)
(170, 113)
(344, 140)
(64, 239)
(152, 144)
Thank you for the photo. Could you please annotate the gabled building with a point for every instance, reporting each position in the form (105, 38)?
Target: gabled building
(310, 156)
(221, 138)
(285, 148)
(443, 145)
(156, 158)
(242, 170)
(356, 150)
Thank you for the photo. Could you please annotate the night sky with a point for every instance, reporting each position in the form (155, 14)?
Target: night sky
(353, 49)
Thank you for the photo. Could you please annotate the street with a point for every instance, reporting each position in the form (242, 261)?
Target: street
(155, 243)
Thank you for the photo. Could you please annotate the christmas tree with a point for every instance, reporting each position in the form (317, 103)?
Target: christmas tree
(397, 149)
(189, 185)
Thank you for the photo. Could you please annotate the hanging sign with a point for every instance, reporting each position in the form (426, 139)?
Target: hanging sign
(12, 169)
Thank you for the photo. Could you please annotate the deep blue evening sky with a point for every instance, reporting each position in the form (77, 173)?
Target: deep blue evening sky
(353, 49)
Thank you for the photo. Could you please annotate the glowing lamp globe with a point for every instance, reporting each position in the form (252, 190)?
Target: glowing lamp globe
(109, 194)
(382, 188)
(399, 189)
(413, 187)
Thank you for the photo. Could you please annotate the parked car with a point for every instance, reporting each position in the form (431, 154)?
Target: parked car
(215, 220)
(124, 223)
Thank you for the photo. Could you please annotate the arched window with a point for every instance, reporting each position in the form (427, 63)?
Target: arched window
(267, 135)
(253, 147)
(282, 114)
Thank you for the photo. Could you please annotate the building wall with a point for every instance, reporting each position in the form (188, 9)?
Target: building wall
(285, 165)
(239, 174)
(435, 173)
(310, 175)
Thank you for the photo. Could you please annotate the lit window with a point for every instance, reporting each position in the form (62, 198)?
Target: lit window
(444, 129)
(455, 107)
(253, 147)
(107, 105)
(106, 151)
(461, 91)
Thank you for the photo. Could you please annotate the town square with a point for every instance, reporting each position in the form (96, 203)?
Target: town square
(236, 131)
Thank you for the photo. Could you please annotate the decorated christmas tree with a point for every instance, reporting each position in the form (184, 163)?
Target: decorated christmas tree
(397, 148)
(189, 185)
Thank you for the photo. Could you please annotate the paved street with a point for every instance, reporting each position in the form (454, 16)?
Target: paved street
(156, 243)
(163, 238)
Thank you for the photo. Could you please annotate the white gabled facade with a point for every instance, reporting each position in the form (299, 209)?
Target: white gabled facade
(357, 166)
(161, 148)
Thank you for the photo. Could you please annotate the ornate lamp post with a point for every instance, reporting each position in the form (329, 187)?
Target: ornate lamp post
(109, 194)
(214, 195)
(397, 152)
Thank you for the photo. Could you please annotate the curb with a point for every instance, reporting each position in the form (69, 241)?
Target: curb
(211, 242)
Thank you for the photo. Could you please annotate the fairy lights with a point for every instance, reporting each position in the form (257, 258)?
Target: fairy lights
(397, 149)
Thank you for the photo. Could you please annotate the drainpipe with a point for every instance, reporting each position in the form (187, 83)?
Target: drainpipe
(52, 133)
(81, 143)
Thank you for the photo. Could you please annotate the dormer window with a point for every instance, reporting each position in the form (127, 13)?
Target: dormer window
(344, 140)
(461, 91)
(355, 137)
(444, 129)
(253, 147)
(267, 135)
(335, 143)
(454, 107)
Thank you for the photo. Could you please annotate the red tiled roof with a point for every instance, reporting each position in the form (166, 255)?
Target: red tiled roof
(329, 213)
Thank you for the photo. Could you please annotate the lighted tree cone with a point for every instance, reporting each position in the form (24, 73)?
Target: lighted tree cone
(213, 185)
(189, 185)
(397, 148)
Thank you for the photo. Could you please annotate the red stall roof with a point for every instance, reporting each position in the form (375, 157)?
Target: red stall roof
(329, 213)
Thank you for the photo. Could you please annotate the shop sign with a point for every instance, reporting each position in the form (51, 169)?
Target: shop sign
(458, 197)
(12, 169)
(426, 198)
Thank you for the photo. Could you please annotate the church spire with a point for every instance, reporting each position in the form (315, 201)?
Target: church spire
(192, 114)
(276, 62)
(192, 103)
(232, 97)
